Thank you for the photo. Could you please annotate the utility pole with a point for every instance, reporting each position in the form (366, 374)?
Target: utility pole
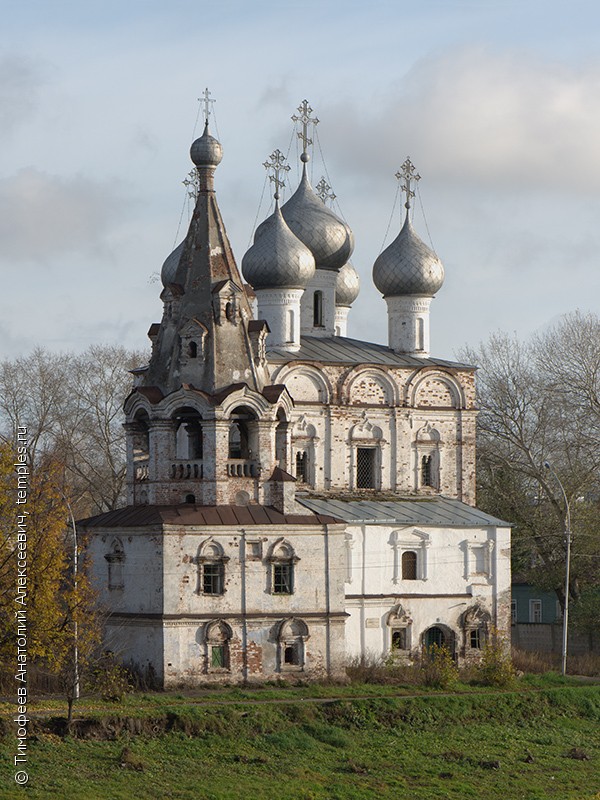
(567, 531)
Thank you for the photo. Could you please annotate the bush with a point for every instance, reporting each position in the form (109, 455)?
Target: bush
(495, 667)
(437, 667)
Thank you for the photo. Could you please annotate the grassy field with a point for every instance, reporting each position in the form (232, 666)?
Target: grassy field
(278, 744)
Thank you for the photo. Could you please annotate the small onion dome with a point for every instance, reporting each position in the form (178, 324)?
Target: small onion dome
(169, 268)
(206, 151)
(408, 266)
(277, 259)
(328, 238)
(347, 285)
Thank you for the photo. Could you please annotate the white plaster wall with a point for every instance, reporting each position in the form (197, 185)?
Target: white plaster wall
(451, 585)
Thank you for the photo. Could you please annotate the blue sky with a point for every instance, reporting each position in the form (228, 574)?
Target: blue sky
(497, 103)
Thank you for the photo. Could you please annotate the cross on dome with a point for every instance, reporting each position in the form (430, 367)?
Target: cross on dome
(206, 100)
(305, 118)
(276, 165)
(324, 191)
(410, 176)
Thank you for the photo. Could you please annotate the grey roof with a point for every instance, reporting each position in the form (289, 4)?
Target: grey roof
(347, 285)
(339, 349)
(436, 511)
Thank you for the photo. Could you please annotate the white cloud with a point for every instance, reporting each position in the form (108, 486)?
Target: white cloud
(42, 215)
(501, 118)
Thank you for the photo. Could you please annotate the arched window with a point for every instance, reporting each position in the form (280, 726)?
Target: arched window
(190, 498)
(216, 637)
(116, 560)
(409, 566)
(435, 636)
(318, 309)
(283, 560)
(292, 636)
(192, 350)
(211, 562)
(189, 444)
(281, 440)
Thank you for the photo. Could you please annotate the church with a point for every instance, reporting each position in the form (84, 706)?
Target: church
(296, 498)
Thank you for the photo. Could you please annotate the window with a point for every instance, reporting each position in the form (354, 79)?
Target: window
(535, 611)
(216, 639)
(435, 636)
(190, 498)
(365, 467)
(217, 656)
(115, 560)
(399, 639)
(283, 578)
(282, 560)
(211, 561)
(513, 611)
(409, 566)
(475, 638)
(290, 655)
(479, 560)
(302, 466)
(213, 574)
(426, 471)
(318, 309)
(293, 633)
(192, 350)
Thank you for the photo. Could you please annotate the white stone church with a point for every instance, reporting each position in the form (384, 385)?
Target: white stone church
(296, 497)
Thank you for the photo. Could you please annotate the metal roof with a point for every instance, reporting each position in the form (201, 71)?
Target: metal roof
(339, 349)
(436, 511)
(189, 514)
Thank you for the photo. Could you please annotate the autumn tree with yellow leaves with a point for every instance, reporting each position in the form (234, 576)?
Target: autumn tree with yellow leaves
(63, 623)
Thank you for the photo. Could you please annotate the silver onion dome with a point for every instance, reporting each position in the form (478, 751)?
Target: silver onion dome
(328, 238)
(277, 259)
(206, 151)
(169, 268)
(347, 285)
(408, 266)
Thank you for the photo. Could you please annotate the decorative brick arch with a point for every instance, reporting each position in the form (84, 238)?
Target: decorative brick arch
(369, 386)
(312, 385)
(434, 388)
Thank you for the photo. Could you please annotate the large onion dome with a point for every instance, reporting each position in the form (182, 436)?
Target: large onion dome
(206, 151)
(169, 268)
(277, 259)
(347, 285)
(328, 238)
(408, 267)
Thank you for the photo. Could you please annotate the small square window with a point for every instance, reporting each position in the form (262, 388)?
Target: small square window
(254, 550)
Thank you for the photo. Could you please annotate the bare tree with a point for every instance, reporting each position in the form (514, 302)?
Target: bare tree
(540, 401)
(72, 407)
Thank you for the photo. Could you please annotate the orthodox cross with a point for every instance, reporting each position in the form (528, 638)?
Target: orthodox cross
(305, 118)
(192, 184)
(324, 191)
(408, 173)
(276, 165)
(207, 101)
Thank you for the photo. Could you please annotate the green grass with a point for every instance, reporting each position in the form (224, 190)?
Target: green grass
(431, 747)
